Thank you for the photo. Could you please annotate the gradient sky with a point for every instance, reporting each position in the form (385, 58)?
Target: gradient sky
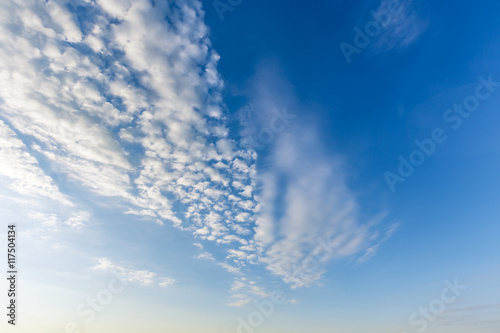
(170, 165)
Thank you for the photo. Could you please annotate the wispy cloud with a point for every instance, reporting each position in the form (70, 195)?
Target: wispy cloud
(304, 199)
(316, 204)
(224, 264)
(372, 250)
(403, 29)
(76, 220)
(476, 316)
(143, 277)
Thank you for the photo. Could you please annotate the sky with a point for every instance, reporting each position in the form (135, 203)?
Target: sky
(231, 166)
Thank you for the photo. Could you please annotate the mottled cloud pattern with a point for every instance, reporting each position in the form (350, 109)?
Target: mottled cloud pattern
(124, 99)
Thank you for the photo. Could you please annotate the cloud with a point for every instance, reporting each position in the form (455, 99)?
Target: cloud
(127, 106)
(50, 94)
(476, 316)
(316, 204)
(403, 29)
(160, 94)
(76, 220)
(244, 291)
(22, 171)
(165, 282)
(228, 267)
(308, 215)
(143, 277)
(372, 250)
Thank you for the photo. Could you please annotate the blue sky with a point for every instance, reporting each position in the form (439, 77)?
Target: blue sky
(235, 166)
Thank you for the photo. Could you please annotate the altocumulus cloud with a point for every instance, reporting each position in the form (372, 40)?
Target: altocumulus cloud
(124, 99)
(87, 90)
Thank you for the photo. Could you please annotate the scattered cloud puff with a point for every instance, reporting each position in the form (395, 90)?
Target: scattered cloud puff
(131, 275)
(245, 291)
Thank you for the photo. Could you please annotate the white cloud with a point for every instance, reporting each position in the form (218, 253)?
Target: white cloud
(66, 23)
(160, 93)
(22, 171)
(157, 92)
(245, 291)
(206, 256)
(228, 267)
(143, 277)
(165, 282)
(317, 204)
(308, 216)
(76, 219)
